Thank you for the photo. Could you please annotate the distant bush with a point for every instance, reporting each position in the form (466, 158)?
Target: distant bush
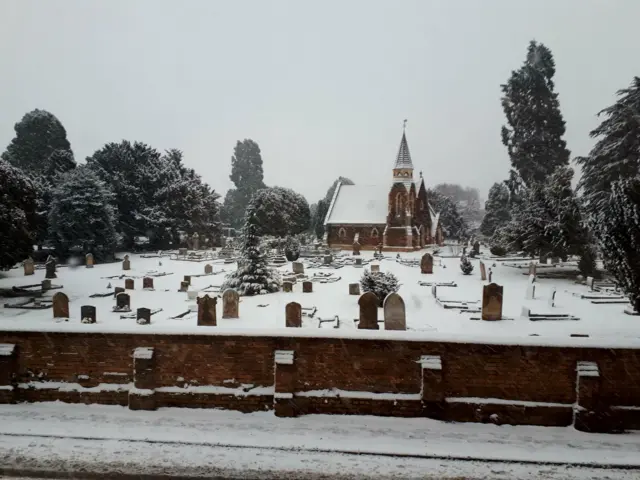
(498, 251)
(466, 266)
(292, 249)
(380, 283)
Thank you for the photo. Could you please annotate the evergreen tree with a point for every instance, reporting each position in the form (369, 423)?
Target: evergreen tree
(253, 275)
(320, 215)
(380, 283)
(453, 225)
(17, 211)
(496, 210)
(82, 218)
(280, 212)
(618, 233)
(60, 161)
(465, 265)
(38, 135)
(616, 155)
(535, 127)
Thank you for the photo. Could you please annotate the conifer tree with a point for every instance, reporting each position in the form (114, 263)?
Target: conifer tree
(496, 209)
(616, 155)
(453, 225)
(280, 212)
(320, 214)
(535, 127)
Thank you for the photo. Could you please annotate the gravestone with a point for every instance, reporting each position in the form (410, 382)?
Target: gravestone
(195, 240)
(223, 242)
(328, 259)
(88, 260)
(307, 287)
(123, 302)
(182, 252)
(184, 286)
(532, 269)
(483, 272)
(552, 298)
(359, 261)
(426, 263)
(375, 268)
(476, 247)
(590, 283)
(230, 303)
(434, 291)
(117, 290)
(128, 283)
(356, 248)
(490, 275)
(208, 269)
(143, 316)
(60, 305)
(394, 313)
(192, 293)
(368, 303)
(207, 311)
(126, 264)
(354, 289)
(46, 285)
(464, 251)
(147, 282)
(531, 292)
(29, 267)
(187, 278)
(492, 302)
(293, 315)
(298, 267)
(88, 314)
(50, 268)
(287, 287)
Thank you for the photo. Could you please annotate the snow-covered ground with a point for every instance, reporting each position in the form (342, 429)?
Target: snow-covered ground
(63, 437)
(606, 325)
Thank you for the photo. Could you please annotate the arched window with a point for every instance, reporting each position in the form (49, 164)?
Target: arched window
(398, 204)
(342, 233)
(374, 233)
(411, 205)
(421, 205)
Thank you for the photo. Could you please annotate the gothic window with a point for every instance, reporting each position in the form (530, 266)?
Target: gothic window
(398, 204)
(421, 205)
(342, 233)
(374, 233)
(411, 205)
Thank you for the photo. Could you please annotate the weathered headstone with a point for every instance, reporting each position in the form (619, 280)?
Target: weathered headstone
(208, 269)
(195, 239)
(123, 302)
(88, 260)
(29, 267)
(356, 248)
(426, 263)
(293, 315)
(287, 287)
(182, 252)
(532, 269)
(143, 316)
(298, 267)
(88, 314)
(476, 247)
(492, 302)
(126, 263)
(192, 293)
(60, 305)
(368, 303)
(394, 313)
(230, 303)
(184, 286)
(552, 298)
(117, 290)
(531, 292)
(187, 278)
(207, 311)
(128, 284)
(359, 261)
(50, 268)
(147, 282)
(375, 268)
(354, 289)
(328, 259)
(590, 283)
(483, 271)
(307, 287)
(223, 241)
(46, 285)
(490, 275)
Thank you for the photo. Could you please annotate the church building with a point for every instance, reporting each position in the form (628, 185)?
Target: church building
(396, 215)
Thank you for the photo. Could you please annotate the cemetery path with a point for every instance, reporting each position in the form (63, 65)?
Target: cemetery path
(96, 438)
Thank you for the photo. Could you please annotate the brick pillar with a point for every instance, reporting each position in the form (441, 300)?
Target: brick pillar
(590, 413)
(432, 388)
(8, 370)
(142, 395)
(284, 382)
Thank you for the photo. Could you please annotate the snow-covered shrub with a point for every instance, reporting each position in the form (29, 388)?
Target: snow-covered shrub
(587, 263)
(292, 249)
(498, 250)
(466, 266)
(380, 283)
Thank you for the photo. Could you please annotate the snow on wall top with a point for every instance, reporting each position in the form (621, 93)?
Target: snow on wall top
(359, 204)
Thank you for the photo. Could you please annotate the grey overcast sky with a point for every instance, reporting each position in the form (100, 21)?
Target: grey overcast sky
(322, 86)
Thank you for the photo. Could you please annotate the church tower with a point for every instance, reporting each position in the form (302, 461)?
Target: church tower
(403, 169)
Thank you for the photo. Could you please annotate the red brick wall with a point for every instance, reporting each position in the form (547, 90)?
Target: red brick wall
(533, 374)
(365, 240)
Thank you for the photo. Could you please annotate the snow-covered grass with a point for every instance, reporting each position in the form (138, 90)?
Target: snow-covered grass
(606, 325)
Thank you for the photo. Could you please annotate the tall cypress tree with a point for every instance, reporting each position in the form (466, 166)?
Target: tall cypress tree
(496, 209)
(616, 155)
(535, 127)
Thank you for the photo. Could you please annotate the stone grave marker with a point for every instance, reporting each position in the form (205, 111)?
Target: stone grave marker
(287, 287)
(88, 314)
(434, 291)
(60, 305)
(187, 278)
(117, 290)
(182, 252)
(128, 284)
(426, 263)
(29, 267)
(208, 269)
(375, 268)
(359, 261)
(230, 303)
(143, 316)
(207, 311)
(532, 269)
(483, 272)
(590, 283)
(552, 298)
(298, 267)
(192, 293)
(46, 285)
(490, 275)
(492, 302)
(184, 286)
(293, 315)
(476, 247)
(328, 259)
(307, 287)
(531, 292)
(394, 313)
(354, 289)
(123, 302)
(356, 248)
(50, 268)
(126, 263)
(368, 303)
(88, 260)
(195, 239)
(147, 282)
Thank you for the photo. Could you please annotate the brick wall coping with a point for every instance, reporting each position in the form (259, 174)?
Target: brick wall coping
(380, 335)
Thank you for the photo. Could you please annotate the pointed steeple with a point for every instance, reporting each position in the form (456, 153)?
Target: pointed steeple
(403, 160)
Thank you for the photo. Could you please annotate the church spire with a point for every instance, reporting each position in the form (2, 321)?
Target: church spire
(403, 168)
